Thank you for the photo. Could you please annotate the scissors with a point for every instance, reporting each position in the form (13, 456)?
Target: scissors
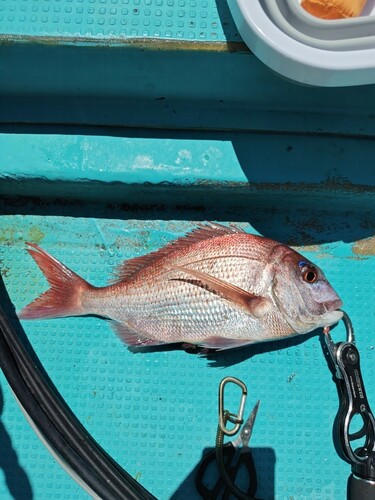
(237, 456)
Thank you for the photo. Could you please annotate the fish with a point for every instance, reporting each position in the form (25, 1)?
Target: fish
(217, 287)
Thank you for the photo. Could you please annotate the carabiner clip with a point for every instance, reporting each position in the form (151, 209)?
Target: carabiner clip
(226, 416)
(353, 402)
(331, 346)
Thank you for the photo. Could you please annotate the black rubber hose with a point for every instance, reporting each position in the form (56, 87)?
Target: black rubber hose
(66, 422)
(118, 482)
(44, 425)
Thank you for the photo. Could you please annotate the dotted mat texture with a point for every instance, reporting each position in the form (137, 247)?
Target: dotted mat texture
(192, 20)
(154, 63)
(156, 412)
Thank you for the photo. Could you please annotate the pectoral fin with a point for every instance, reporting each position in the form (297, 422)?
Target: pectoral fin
(246, 301)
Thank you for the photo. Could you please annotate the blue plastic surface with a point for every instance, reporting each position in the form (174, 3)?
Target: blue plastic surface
(131, 196)
(98, 19)
(162, 407)
(155, 63)
(218, 137)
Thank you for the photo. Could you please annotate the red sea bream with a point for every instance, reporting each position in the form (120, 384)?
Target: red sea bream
(218, 287)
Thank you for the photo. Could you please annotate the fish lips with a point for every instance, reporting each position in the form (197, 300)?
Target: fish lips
(332, 312)
(332, 305)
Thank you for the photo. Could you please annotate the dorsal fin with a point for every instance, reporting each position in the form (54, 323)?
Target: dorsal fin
(202, 232)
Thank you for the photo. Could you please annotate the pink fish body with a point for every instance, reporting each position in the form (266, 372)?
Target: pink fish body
(218, 287)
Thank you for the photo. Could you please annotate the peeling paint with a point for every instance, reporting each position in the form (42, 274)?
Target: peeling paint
(13, 235)
(308, 248)
(143, 43)
(365, 247)
(8, 235)
(183, 156)
(35, 234)
(4, 271)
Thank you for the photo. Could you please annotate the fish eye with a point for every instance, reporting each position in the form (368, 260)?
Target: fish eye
(309, 274)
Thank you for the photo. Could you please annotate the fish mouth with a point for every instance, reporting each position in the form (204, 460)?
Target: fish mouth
(332, 305)
(332, 313)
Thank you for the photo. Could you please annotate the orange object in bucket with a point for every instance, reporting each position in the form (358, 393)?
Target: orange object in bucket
(334, 9)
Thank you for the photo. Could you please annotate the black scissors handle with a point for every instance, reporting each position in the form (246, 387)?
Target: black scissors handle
(208, 467)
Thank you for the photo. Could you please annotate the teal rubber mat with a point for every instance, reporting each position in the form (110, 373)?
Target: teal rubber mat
(94, 200)
(157, 412)
(190, 20)
(172, 64)
(209, 133)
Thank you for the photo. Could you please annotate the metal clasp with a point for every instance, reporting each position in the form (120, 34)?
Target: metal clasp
(333, 347)
(226, 416)
(353, 402)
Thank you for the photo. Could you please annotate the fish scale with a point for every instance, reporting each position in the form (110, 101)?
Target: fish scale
(217, 287)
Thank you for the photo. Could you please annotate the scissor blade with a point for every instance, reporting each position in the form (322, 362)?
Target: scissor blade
(247, 427)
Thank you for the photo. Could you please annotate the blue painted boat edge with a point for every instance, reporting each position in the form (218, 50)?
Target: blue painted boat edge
(108, 86)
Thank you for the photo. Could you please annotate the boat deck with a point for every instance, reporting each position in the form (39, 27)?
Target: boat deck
(122, 125)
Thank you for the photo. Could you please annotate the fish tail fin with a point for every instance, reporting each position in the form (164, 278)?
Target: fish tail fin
(64, 297)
